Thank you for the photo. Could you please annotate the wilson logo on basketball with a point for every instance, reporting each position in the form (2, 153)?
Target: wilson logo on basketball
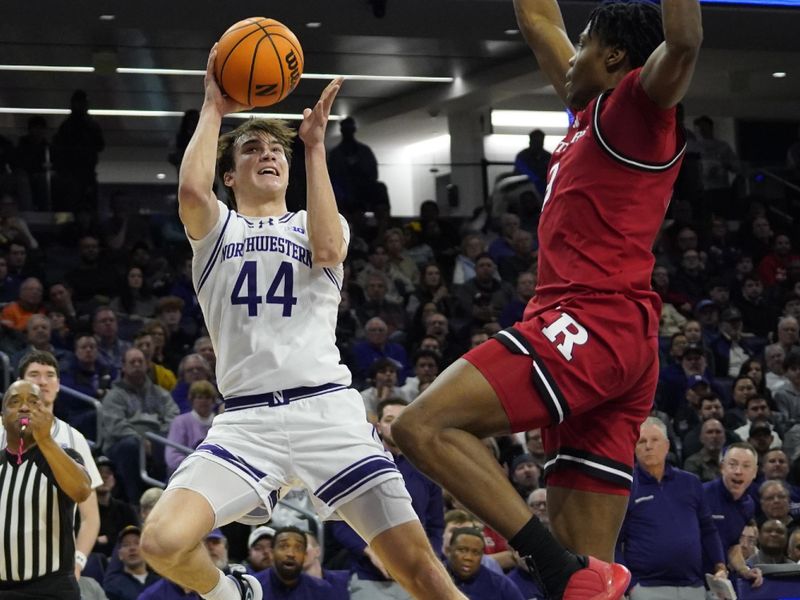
(266, 89)
(291, 62)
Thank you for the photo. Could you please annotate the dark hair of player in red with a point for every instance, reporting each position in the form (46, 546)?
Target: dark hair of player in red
(634, 26)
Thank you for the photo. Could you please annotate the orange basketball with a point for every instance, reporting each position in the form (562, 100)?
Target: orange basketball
(259, 61)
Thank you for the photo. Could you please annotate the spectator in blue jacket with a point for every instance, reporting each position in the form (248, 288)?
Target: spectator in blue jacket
(475, 581)
(285, 579)
(732, 507)
(135, 577)
(662, 496)
(370, 580)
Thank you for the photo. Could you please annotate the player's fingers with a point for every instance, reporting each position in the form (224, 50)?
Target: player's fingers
(212, 55)
(306, 113)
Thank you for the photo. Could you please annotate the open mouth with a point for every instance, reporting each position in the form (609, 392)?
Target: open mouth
(268, 171)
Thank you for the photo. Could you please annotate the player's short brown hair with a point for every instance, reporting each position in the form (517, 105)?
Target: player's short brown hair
(277, 129)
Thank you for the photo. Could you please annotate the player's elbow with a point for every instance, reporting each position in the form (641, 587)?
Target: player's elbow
(326, 258)
(327, 255)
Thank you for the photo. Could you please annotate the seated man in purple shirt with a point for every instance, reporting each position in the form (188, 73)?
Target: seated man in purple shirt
(285, 579)
(731, 507)
(475, 581)
(662, 496)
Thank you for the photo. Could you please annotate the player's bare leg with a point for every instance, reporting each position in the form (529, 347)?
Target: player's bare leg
(407, 554)
(172, 543)
(441, 432)
(586, 522)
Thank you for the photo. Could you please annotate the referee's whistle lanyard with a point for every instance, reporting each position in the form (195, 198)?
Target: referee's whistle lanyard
(23, 425)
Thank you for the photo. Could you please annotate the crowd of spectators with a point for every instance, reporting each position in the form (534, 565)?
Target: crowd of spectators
(111, 297)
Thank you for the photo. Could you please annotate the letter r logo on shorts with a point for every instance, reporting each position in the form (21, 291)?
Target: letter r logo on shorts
(572, 332)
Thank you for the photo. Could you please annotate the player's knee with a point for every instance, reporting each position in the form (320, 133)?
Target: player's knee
(407, 431)
(160, 544)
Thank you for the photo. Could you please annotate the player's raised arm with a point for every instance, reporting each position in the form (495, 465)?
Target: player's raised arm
(542, 25)
(325, 233)
(668, 72)
(197, 204)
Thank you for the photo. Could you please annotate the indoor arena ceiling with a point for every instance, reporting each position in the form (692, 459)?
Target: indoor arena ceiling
(473, 41)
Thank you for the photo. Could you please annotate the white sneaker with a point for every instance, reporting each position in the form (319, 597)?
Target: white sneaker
(248, 586)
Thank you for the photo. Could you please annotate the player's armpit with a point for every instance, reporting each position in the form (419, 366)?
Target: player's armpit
(542, 26)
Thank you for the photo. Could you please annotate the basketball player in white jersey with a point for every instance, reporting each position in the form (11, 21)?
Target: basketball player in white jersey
(268, 282)
(41, 368)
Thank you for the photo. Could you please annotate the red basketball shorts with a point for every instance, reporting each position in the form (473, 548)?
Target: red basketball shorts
(586, 373)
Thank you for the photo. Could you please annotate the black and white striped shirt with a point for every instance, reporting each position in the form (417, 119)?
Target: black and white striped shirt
(36, 520)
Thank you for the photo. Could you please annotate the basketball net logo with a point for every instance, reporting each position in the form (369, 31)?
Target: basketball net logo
(574, 334)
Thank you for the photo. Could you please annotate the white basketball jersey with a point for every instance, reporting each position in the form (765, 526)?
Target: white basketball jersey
(270, 313)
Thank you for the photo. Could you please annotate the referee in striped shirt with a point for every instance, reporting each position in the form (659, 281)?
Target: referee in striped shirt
(40, 483)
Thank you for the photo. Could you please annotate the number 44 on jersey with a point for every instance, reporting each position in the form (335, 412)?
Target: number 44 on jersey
(280, 291)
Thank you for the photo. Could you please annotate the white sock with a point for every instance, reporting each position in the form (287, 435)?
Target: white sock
(225, 589)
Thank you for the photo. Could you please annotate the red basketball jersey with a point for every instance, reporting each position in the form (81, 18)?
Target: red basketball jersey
(608, 187)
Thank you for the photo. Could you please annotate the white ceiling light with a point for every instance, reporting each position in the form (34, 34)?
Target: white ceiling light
(50, 68)
(107, 17)
(511, 31)
(134, 71)
(161, 176)
(550, 119)
(779, 74)
(99, 112)
(201, 72)
(314, 25)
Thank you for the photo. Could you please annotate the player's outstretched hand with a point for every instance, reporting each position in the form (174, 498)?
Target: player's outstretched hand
(224, 104)
(315, 121)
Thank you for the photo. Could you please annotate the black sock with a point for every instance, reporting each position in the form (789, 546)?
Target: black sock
(554, 564)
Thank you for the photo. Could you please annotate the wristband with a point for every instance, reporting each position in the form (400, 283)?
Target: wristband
(80, 559)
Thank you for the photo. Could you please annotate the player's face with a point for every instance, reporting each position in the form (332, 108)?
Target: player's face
(587, 76)
(46, 378)
(465, 555)
(261, 165)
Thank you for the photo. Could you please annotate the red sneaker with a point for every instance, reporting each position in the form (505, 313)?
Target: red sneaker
(599, 581)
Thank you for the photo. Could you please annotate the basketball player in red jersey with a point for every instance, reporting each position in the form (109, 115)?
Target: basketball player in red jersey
(583, 362)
